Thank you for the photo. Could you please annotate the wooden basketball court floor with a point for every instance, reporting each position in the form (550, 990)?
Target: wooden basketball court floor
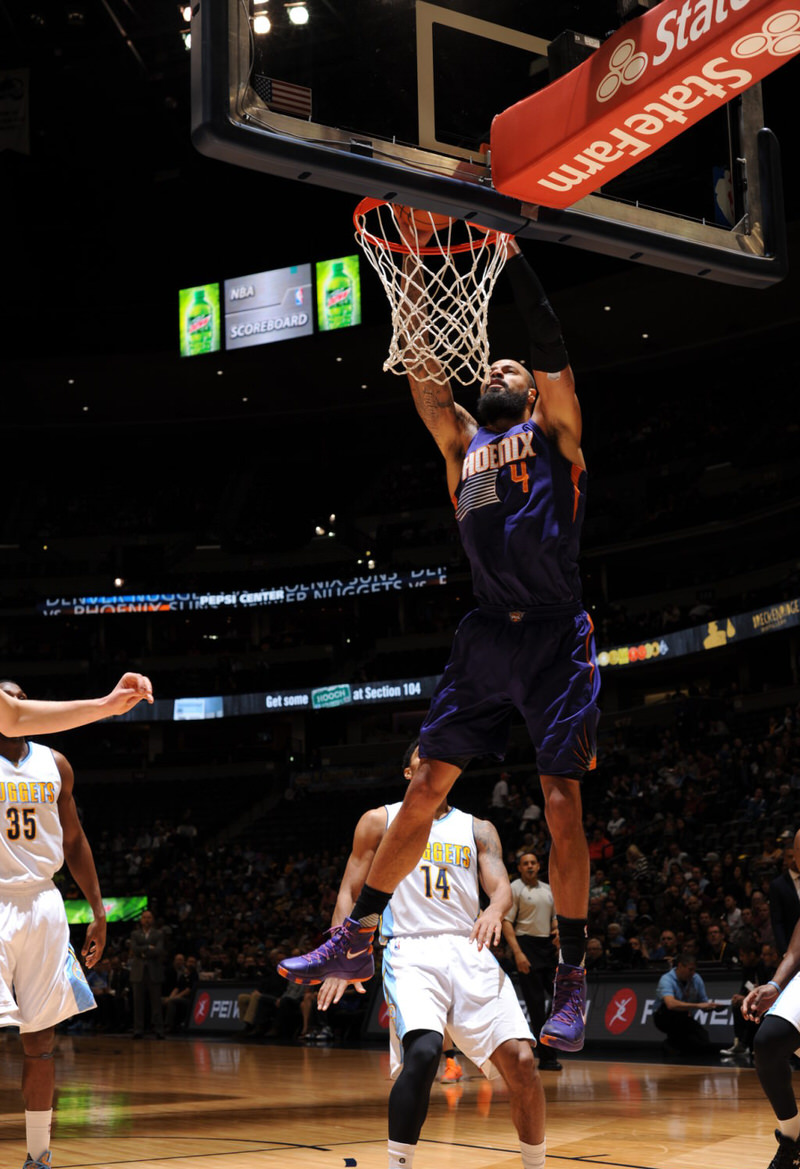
(201, 1104)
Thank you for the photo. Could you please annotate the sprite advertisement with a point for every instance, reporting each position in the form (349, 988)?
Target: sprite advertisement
(117, 909)
(338, 293)
(199, 310)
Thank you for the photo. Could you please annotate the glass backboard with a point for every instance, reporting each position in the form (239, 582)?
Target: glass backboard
(395, 99)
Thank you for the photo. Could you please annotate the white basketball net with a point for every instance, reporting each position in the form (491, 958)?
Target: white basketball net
(439, 293)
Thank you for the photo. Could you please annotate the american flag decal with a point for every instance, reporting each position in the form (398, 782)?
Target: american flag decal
(284, 97)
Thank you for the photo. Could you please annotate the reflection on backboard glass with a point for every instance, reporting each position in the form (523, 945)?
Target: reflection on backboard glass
(433, 76)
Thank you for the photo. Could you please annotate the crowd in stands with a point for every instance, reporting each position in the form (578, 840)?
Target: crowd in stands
(688, 828)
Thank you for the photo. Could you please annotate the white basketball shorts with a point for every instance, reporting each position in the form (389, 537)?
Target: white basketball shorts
(41, 980)
(787, 1004)
(443, 982)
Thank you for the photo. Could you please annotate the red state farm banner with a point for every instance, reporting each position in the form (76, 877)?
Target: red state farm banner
(646, 84)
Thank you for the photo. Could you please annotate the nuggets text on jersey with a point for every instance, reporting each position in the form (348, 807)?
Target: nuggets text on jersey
(27, 793)
(440, 853)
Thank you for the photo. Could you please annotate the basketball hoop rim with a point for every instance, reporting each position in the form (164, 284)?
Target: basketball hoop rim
(470, 245)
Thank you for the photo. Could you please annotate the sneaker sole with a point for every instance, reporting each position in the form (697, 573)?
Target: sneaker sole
(317, 981)
(560, 1043)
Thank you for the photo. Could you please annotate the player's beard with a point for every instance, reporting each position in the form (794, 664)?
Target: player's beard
(496, 404)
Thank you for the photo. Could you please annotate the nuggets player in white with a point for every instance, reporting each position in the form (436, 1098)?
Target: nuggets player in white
(776, 1006)
(439, 973)
(41, 981)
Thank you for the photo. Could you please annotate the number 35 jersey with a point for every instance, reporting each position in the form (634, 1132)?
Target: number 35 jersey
(440, 894)
(31, 840)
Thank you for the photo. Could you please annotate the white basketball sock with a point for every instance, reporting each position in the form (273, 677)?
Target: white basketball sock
(37, 1132)
(791, 1127)
(401, 1156)
(532, 1155)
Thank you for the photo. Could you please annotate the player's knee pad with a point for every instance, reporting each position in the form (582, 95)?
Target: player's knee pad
(422, 1051)
(775, 1039)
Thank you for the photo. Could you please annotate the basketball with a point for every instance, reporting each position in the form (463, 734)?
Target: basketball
(417, 226)
(429, 220)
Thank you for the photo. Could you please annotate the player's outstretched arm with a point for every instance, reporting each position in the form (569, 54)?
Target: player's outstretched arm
(488, 929)
(80, 862)
(368, 835)
(26, 716)
(557, 409)
(451, 426)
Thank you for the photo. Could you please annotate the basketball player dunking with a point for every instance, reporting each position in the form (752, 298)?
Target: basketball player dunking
(439, 973)
(41, 980)
(518, 479)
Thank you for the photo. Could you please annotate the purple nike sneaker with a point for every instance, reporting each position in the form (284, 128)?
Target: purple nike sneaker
(567, 1022)
(347, 953)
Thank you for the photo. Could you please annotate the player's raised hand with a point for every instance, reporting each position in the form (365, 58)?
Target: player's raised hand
(129, 691)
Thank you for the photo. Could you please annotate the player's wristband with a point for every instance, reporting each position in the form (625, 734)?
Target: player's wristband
(777, 986)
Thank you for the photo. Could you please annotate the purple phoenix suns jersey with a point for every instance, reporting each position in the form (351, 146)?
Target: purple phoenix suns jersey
(520, 507)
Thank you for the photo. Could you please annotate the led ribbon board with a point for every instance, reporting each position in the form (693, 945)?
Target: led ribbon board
(650, 81)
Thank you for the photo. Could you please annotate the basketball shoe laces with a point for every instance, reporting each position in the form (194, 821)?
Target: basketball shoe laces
(340, 937)
(330, 949)
(567, 998)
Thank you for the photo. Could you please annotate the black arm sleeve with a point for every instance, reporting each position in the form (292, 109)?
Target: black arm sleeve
(547, 349)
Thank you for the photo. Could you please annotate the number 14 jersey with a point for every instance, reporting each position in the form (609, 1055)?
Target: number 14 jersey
(440, 894)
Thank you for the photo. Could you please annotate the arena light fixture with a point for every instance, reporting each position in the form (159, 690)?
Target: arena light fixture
(297, 12)
(261, 24)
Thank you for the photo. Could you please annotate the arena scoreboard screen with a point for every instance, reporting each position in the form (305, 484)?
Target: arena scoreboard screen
(278, 305)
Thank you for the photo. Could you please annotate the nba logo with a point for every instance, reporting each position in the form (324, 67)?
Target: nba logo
(298, 296)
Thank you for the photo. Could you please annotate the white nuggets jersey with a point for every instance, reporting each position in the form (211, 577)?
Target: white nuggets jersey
(31, 840)
(440, 895)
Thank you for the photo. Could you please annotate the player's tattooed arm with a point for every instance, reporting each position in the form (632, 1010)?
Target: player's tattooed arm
(488, 929)
(451, 426)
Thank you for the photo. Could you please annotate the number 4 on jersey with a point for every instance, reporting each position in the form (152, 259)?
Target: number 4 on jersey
(519, 474)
